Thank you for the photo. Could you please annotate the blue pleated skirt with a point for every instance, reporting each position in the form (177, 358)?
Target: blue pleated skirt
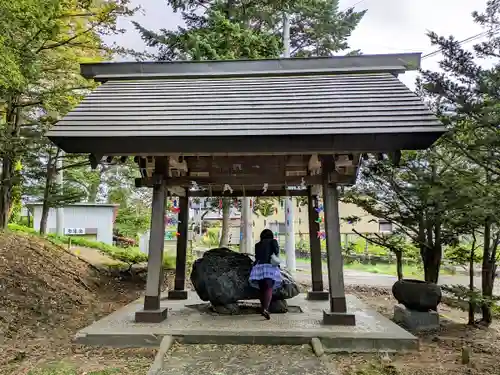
(265, 271)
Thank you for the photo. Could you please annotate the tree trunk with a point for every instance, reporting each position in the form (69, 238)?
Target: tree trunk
(12, 132)
(399, 264)
(46, 195)
(487, 275)
(472, 305)
(432, 265)
(93, 191)
(226, 211)
(5, 191)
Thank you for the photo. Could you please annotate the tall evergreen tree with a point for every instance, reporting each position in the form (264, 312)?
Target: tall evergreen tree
(243, 29)
(467, 96)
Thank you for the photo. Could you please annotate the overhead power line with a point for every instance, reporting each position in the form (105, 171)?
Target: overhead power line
(462, 42)
(354, 5)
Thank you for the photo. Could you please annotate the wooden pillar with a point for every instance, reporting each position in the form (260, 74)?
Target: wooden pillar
(317, 293)
(179, 292)
(337, 315)
(153, 312)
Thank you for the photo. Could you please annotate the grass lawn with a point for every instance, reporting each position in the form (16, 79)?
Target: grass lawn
(409, 270)
(386, 269)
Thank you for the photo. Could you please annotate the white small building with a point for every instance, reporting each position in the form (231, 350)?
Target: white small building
(91, 220)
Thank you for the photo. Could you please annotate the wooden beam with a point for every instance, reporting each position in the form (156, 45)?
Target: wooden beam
(250, 181)
(248, 193)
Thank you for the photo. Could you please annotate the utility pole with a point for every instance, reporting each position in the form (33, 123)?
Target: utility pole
(59, 183)
(289, 209)
(286, 36)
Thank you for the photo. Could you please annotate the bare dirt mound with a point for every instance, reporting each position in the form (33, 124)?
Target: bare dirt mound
(46, 295)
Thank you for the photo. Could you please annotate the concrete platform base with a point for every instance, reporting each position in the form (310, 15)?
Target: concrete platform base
(372, 331)
(151, 316)
(177, 294)
(416, 321)
(318, 295)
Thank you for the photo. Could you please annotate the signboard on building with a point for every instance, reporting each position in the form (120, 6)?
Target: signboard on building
(74, 231)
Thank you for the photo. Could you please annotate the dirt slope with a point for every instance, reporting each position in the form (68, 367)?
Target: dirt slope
(46, 295)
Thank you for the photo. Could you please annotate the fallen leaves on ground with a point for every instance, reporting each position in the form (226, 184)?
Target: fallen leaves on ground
(46, 295)
(440, 351)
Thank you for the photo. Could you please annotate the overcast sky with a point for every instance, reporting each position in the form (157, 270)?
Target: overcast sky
(389, 26)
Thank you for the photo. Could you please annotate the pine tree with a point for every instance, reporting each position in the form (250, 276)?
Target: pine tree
(236, 29)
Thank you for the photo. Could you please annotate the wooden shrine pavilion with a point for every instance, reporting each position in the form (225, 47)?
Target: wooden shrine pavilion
(261, 127)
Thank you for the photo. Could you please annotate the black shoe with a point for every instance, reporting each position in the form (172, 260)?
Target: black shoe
(266, 314)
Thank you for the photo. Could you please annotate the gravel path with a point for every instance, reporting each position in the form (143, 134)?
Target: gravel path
(244, 360)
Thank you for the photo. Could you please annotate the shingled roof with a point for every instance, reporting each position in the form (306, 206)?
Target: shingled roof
(303, 105)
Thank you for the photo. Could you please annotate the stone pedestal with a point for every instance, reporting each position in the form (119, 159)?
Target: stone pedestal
(151, 316)
(314, 295)
(177, 294)
(416, 321)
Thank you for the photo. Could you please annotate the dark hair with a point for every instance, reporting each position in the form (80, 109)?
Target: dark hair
(266, 234)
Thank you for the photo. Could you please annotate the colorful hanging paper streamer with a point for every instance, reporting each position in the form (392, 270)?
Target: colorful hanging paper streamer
(275, 234)
(319, 209)
(319, 220)
(220, 203)
(172, 221)
(321, 235)
(175, 202)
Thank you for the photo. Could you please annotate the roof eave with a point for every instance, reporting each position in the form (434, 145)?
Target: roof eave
(394, 63)
(395, 70)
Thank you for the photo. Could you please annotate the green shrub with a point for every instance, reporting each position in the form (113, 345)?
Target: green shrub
(212, 238)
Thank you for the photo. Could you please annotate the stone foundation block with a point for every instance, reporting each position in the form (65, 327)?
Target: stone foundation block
(416, 321)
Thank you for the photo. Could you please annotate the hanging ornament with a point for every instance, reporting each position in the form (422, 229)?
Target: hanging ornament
(265, 187)
(175, 202)
(303, 185)
(227, 187)
(220, 203)
(177, 234)
(318, 220)
(287, 223)
(321, 235)
(319, 209)
(194, 185)
(275, 234)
